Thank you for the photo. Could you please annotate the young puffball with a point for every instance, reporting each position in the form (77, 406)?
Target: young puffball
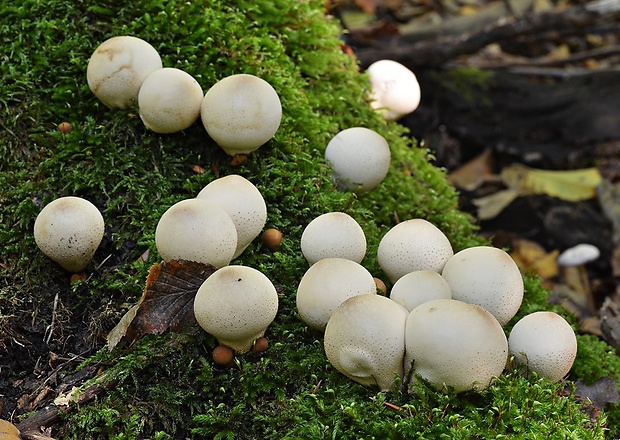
(395, 91)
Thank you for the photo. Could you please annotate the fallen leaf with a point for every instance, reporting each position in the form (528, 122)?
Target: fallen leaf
(609, 199)
(601, 392)
(491, 206)
(8, 431)
(368, 6)
(532, 258)
(120, 330)
(473, 173)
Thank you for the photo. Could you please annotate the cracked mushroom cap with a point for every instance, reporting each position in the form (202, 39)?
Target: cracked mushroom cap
(236, 304)
(395, 90)
(418, 287)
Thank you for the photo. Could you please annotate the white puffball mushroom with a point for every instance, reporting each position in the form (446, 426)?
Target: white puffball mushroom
(486, 276)
(395, 90)
(326, 285)
(411, 245)
(117, 69)
(418, 287)
(169, 100)
(69, 230)
(241, 112)
(545, 343)
(365, 340)
(454, 344)
(333, 234)
(236, 304)
(196, 230)
(243, 202)
(577, 255)
(359, 159)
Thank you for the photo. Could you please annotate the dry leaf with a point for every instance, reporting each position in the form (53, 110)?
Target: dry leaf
(491, 206)
(473, 173)
(533, 258)
(8, 431)
(118, 332)
(604, 390)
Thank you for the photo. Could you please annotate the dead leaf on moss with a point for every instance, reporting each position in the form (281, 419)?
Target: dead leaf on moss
(8, 431)
(532, 258)
(601, 392)
(472, 174)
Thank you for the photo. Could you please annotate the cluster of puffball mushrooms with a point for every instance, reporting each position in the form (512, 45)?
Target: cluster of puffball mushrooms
(444, 315)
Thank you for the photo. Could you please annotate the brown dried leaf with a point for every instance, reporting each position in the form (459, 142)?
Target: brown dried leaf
(8, 431)
(473, 173)
(604, 390)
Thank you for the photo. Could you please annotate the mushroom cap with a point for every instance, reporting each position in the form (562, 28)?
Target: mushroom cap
(546, 343)
(241, 112)
(196, 230)
(411, 245)
(69, 230)
(334, 234)
(395, 90)
(455, 344)
(365, 340)
(236, 304)
(418, 287)
(117, 69)
(169, 100)
(486, 276)
(359, 159)
(326, 285)
(243, 202)
(577, 255)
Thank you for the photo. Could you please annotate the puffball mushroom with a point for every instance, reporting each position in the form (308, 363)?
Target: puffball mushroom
(326, 285)
(411, 245)
(578, 255)
(196, 230)
(545, 343)
(334, 234)
(169, 100)
(236, 304)
(241, 112)
(243, 202)
(69, 230)
(395, 90)
(359, 159)
(454, 344)
(486, 276)
(117, 69)
(365, 340)
(418, 287)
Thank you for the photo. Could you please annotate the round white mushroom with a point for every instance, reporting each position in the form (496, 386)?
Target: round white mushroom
(454, 344)
(365, 340)
(359, 159)
(578, 255)
(169, 100)
(69, 231)
(418, 287)
(241, 112)
(334, 234)
(411, 245)
(545, 343)
(326, 285)
(486, 276)
(395, 90)
(117, 69)
(196, 230)
(236, 304)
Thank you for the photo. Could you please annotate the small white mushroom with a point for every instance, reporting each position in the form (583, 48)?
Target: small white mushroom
(411, 245)
(69, 231)
(486, 276)
(169, 100)
(578, 255)
(454, 344)
(236, 304)
(395, 90)
(241, 112)
(243, 202)
(418, 287)
(117, 69)
(326, 285)
(196, 230)
(365, 340)
(334, 234)
(359, 159)
(545, 343)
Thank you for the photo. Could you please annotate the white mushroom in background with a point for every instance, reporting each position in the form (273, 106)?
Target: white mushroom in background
(169, 100)
(196, 230)
(454, 344)
(395, 90)
(365, 340)
(418, 287)
(236, 304)
(411, 245)
(578, 255)
(334, 234)
(117, 69)
(243, 202)
(486, 276)
(326, 285)
(359, 159)
(69, 230)
(241, 112)
(545, 343)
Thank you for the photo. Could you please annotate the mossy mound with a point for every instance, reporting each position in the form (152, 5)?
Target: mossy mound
(167, 386)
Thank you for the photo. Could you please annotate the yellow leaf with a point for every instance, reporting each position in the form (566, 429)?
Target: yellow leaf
(491, 206)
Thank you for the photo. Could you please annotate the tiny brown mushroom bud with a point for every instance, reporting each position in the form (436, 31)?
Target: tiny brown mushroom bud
(238, 160)
(260, 345)
(223, 355)
(65, 127)
(272, 238)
